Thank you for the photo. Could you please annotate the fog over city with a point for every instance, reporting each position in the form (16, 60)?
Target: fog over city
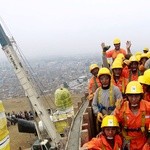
(44, 28)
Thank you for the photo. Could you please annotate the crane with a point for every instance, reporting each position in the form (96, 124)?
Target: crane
(33, 96)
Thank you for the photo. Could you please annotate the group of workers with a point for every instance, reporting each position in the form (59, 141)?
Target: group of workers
(119, 94)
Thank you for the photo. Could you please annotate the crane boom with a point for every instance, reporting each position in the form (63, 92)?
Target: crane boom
(28, 86)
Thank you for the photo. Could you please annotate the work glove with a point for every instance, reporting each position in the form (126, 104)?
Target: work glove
(128, 44)
(100, 117)
(119, 103)
(90, 97)
(104, 47)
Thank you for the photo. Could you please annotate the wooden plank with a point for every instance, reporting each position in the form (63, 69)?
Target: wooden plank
(84, 137)
(85, 118)
(85, 126)
(92, 122)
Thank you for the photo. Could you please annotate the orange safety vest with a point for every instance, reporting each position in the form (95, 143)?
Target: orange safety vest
(134, 125)
(121, 83)
(100, 143)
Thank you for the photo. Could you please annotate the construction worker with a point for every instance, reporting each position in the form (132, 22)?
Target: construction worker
(105, 96)
(117, 50)
(146, 86)
(94, 82)
(133, 72)
(143, 59)
(4, 133)
(108, 139)
(117, 77)
(134, 117)
(145, 50)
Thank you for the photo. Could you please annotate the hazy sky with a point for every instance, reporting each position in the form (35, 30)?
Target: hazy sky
(62, 27)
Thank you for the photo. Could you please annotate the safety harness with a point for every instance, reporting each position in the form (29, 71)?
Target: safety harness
(125, 129)
(101, 107)
(130, 74)
(111, 99)
(122, 84)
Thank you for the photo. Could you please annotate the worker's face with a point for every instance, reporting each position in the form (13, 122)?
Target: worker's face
(117, 72)
(134, 66)
(104, 80)
(117, 46)
(110, 132)
(134, 99)
(95, 71)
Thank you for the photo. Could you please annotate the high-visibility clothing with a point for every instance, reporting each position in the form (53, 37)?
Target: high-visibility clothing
(100, 143)
(125, 70)
(113, 53)
(146, 147)
(94, 83)
(147, 96)
(130, 76)
(133, 125)
(121, 83)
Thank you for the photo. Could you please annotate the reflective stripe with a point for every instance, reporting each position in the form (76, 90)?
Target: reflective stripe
(4, 142)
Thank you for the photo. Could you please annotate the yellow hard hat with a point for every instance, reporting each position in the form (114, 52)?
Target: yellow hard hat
(141, 79)
(116, 64)
(148, 54)
(116, 41)
(120, 55)
(144, 55)
(146, 49)
(147, 76)
(93, 66)
(127, 62)
(134, 87)
(109, 121)
(133, 58)
(138, 57)
(138, 53)
(103, 71)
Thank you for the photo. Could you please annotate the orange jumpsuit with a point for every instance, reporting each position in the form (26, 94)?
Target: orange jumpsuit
(121, 83)
(113, 53)
(133, 123)
(147, 96)
(94, 83)
(131, 77)
(146, 147)
(101, 143)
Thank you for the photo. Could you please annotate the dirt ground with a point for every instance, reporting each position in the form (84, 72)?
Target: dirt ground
(21, 141)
